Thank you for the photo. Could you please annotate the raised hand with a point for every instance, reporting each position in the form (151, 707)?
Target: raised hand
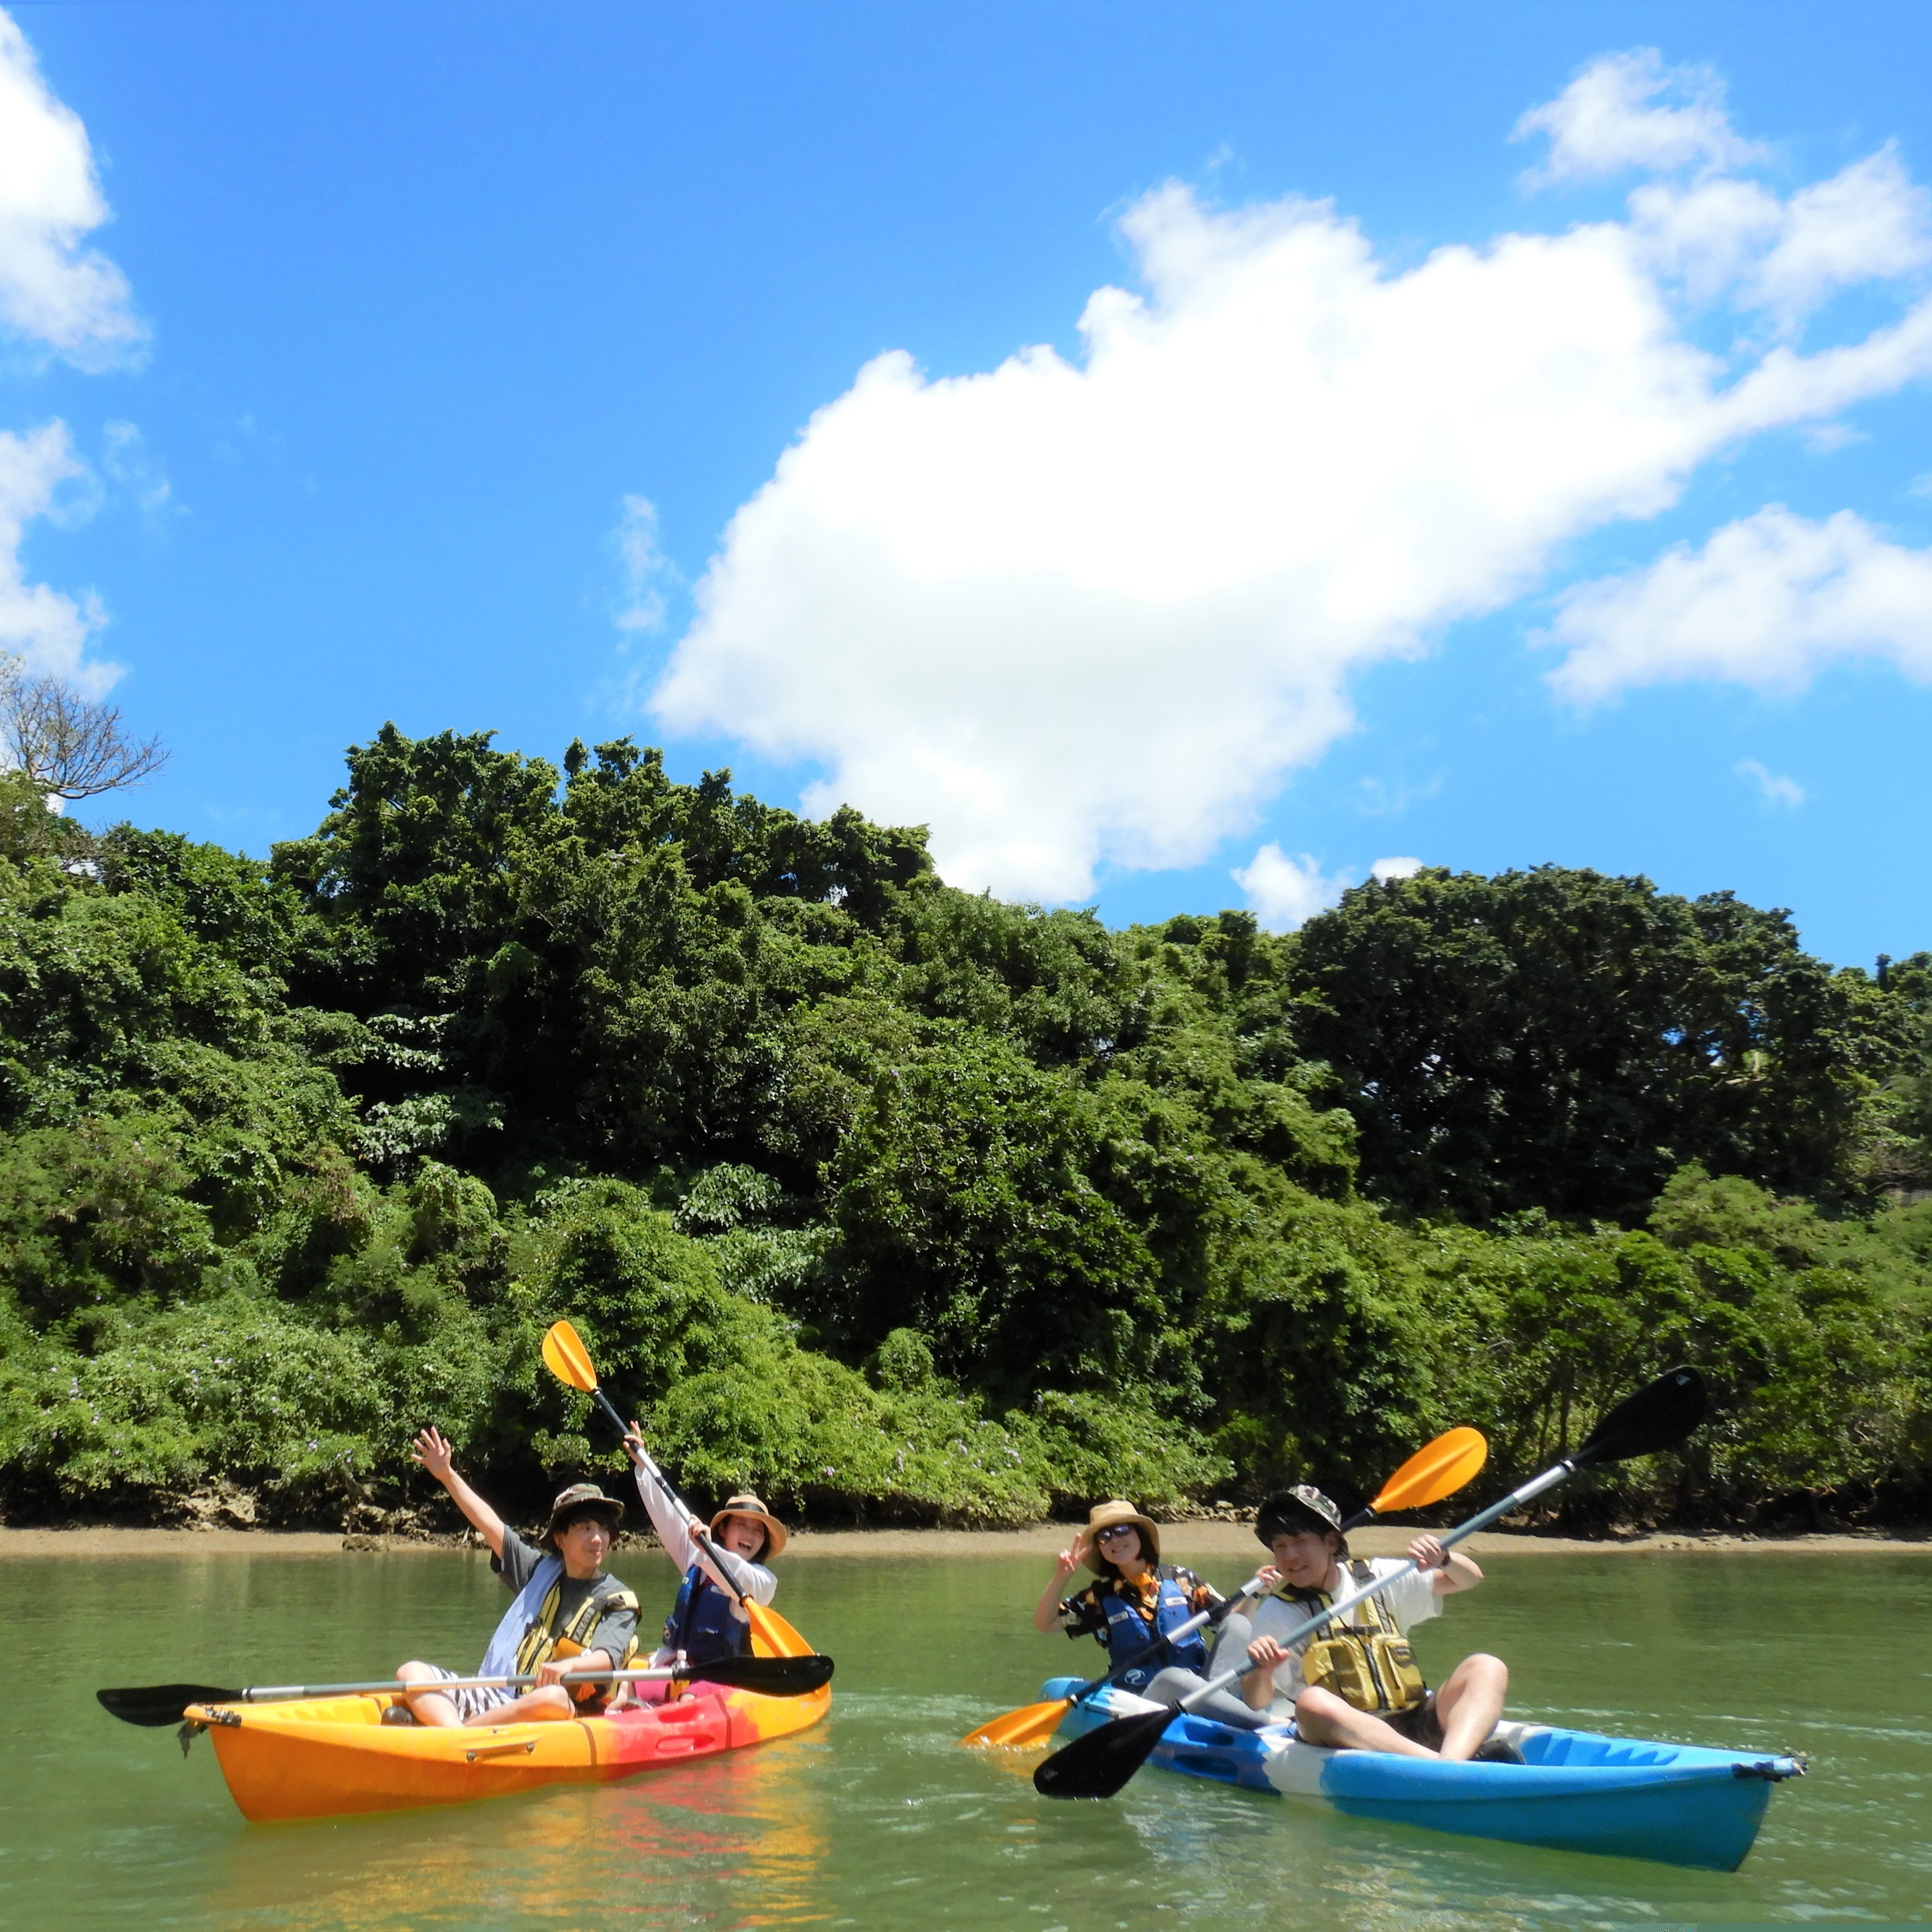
(1426, 1553)
(633, 1441)
(431, 1451)
(1269, 1579)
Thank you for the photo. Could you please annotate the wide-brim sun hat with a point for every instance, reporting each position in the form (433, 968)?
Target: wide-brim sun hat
(580, 1499)
(1303, 1507)
(776, 1535)
(1104, 1516)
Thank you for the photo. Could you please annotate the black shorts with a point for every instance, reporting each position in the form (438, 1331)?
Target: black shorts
(1421, 1725)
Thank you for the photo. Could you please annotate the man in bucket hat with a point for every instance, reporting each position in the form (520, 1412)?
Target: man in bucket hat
(1353, 1684)
(567, 1614)
(709, 1619)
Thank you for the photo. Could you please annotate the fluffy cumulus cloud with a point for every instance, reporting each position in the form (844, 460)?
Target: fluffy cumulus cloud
(54, 289)
(1767, 601)
(47, 629)
(57, 295)
(1071, 612)
(1283, 892)
(1629, 110)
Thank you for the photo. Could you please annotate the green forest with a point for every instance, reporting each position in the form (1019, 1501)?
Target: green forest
(902, 1204)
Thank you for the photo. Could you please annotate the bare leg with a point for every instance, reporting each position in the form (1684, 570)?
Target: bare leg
(435, 1707)
(546, 1705)
(1321, 1717)
(1469, 1704)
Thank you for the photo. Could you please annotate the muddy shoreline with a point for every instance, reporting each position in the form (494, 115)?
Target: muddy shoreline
(1183, 1539)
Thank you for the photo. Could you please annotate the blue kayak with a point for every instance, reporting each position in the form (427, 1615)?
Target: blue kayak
(1677, 1804)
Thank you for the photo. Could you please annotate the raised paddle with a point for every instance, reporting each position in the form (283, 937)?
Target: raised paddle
(1657, 1417)
(1431, 1474)
(569, 1361)
(156, 1705)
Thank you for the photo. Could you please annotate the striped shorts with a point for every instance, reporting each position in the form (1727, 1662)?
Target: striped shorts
(473, 1702)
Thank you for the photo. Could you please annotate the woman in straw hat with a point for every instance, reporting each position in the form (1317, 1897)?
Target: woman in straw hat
(1136, 1611)
(708, 1619)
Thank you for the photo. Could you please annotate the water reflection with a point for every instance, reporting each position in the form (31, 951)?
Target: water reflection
(735, 1841)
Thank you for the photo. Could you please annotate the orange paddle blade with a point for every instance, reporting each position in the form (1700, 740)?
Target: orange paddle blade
(772, 1636)
(1432, 1473)
(1017, 1729)
(567, 1358)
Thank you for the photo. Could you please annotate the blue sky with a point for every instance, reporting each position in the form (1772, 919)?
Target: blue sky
(436, 299)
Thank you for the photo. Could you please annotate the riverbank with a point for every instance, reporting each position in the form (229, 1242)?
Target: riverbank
(1181, 1540)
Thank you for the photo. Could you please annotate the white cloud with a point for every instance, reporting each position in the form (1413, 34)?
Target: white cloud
(1767, 601)
(131, 465)
(648, 572)
(49, 630)
(1604, 122)
(1067, 611)
(1774, 788)
(1870, 222)
(53, 289)
(1283, 892)
(1384, 869)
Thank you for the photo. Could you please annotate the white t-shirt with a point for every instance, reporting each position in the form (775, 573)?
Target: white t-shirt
(1413, 1600)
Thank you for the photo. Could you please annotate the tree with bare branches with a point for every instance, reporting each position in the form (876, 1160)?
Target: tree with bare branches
(65, 745)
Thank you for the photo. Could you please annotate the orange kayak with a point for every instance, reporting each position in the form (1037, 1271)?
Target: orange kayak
(329, 1756)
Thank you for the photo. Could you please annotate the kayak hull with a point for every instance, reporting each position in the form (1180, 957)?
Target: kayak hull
(328, 1757)
(1678, 1804)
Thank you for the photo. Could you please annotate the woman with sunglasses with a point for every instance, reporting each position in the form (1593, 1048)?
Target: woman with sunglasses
(1136, 1610)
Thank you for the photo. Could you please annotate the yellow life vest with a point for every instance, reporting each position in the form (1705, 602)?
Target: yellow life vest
(1372, 1669)
(542, 1640)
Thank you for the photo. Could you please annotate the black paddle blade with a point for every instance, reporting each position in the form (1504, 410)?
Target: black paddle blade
(769, 1676)
(1097, 1764)
(156, 1705)
(1656, 1417)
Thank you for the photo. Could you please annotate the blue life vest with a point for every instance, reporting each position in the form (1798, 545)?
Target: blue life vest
(701, 1624)
(1130, 1642)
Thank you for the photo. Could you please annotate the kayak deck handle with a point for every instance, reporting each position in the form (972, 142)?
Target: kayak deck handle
(1770, 1770)
(528, 1745)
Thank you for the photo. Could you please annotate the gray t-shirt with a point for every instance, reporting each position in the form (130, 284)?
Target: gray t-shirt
(615, 1628)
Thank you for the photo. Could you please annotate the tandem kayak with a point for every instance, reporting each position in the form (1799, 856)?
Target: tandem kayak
(327, 1757)
(1576, 1791)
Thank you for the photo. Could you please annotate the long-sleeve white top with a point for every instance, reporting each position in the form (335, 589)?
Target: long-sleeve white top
(672, 1519)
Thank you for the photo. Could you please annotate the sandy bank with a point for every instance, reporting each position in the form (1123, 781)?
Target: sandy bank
(1183, 1541)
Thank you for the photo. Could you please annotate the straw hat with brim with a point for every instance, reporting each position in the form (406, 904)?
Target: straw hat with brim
(1104, 1516)
(1303, 1507)
(776, 1536)
(581, 1499)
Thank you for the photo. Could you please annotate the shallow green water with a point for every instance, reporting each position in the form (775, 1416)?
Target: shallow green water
(876, 1820)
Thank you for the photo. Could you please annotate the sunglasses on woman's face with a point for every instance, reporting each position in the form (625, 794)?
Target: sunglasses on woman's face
(1117, 1530)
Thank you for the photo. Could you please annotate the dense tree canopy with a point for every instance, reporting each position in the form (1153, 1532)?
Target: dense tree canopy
(900, 1201)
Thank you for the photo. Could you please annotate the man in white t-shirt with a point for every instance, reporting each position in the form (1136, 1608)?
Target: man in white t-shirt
(1311, 1567)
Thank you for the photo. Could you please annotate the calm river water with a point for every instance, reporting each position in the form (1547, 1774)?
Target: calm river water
(876, 1820)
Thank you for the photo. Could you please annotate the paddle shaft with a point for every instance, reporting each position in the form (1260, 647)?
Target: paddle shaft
(265, 1693)
(1534, 1488)
(698, 1536)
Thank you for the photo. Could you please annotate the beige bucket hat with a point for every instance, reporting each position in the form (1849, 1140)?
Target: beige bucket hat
(776, 1535)
(1104, 1516)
